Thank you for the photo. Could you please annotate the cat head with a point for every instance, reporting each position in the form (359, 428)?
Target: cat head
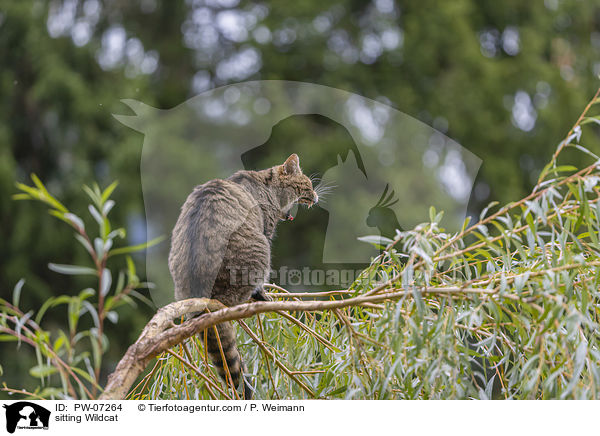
(292, 186)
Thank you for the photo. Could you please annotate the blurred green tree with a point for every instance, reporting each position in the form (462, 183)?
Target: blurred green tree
(496, 77)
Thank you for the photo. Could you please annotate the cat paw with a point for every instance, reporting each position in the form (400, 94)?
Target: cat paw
(259, 295)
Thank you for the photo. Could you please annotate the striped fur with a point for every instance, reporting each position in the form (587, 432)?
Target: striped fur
(227, 225)
(228, 349)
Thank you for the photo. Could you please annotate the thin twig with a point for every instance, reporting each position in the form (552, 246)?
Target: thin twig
(275, 360)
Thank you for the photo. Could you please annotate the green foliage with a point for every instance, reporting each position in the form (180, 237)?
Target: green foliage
(58, 99)
(507, 308)
(69, 357)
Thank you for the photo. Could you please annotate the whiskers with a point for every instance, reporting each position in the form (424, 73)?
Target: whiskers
(323, 189)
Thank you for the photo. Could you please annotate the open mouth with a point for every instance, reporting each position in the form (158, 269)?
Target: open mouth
(306, 200)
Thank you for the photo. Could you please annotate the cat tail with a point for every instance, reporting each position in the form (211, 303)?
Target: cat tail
(220, 342)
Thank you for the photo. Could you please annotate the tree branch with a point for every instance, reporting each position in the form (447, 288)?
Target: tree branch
(161, 333)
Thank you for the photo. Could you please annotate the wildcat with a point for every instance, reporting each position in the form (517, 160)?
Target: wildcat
(221, 245)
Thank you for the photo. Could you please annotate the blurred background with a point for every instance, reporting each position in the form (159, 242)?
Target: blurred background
(505, 80)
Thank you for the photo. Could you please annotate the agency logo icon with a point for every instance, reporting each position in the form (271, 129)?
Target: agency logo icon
(26, 415)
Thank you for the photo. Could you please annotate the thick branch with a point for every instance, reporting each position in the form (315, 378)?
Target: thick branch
(139, 354)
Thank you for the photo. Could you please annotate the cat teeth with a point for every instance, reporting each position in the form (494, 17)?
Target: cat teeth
(308, 201)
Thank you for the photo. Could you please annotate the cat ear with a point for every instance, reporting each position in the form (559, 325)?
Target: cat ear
(291, 165)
